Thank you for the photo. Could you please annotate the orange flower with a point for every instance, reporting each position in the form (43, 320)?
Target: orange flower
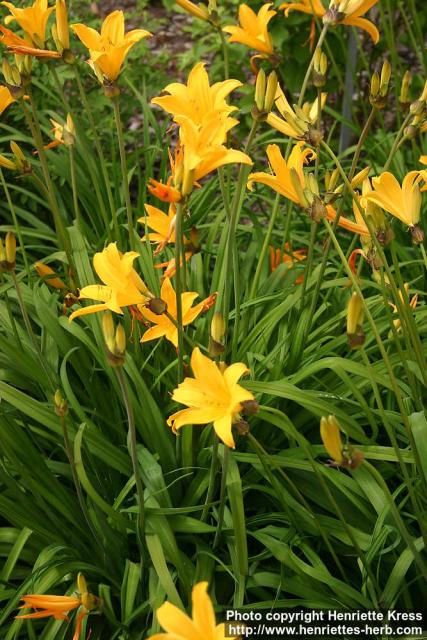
(162, 191)
(287, 256)
(23, 47)
(60, 606)
(170, 265)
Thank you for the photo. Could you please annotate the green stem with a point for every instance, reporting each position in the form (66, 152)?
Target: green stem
(212, 474)
(100, 153)
(77, 486)
(34, 125)
(224, 53)
(222, 496)
(16, 224)
(74, 185)
(230, 263)
(132, 444)
(423, 252)
(397, 141)
(178, 289)
(30, 332)
(268, 465)
(264, 249)
(123, 164)
(310, 66)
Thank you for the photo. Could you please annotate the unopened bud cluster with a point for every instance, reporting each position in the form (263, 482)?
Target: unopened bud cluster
(16, 75)
(115, 340)
(380, 86)
(320, 68)
(61, 405)
(217, 335)
(265, 93)
(18, 163)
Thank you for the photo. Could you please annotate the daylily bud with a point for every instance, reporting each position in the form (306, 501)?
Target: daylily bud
(217, 334)
(120, 339)
(342, 456)
(10, 248)
(385, 78)
(331, 179)
(260, 90)
(45, 272)
(355, 313)
(331, 437)
(7, 71)
(81, 583)
(8, 253)
(360, 177)
(404, 99)
(115, 341)
(61, 405)
(197, 10)
(271, 91)
(108, 331)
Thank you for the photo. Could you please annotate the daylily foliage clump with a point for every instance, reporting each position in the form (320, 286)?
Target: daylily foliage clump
(213, 308)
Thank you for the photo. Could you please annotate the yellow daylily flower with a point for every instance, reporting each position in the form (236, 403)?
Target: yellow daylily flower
(402, 202)
(109, 48)
(347, 12)
(122, 286)
(197, 99)
(59, 606)
(292, 124)
(286, 177)
(163, 326)
(203, 151)
(201, 626)
(281, 179)
(6, 99)
(212, 395)
(33, 19)
(253, 29)
(163, 225)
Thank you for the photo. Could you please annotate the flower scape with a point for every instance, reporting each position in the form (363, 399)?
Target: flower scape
(213, 315)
